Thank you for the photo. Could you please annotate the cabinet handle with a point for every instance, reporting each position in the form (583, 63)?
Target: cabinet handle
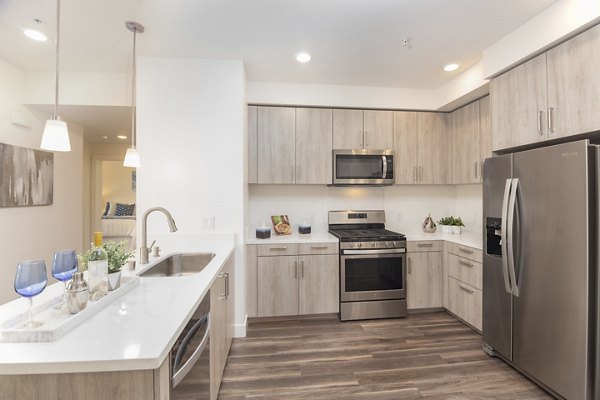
(466, 289)
(465, 250)
(223, 295)
(476, 176)
(292, 168)
(481, 169)
(366, 139)
(465, 263)
(424, 244)
(302, 269)
(420, 173)
(226, 285)
(296, 269)
(362, 139)
(278, 248)
(540, 121)
(409, 265)
(550, 119)
(414, 173)
(318, 247)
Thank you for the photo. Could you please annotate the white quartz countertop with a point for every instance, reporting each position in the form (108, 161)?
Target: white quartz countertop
(136, 331)
(470, 239)
(314, 237)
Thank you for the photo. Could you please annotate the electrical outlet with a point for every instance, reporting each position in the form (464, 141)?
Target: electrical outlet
(207, 222)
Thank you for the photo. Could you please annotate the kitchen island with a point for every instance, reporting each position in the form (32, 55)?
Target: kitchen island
(124, 350)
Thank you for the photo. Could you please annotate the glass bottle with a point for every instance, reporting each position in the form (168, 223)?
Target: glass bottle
(98, 269)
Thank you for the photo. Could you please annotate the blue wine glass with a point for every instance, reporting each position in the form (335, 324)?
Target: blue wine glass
(64, 265)
(30, 280)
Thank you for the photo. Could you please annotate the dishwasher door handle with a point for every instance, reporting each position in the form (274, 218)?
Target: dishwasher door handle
(186, 368)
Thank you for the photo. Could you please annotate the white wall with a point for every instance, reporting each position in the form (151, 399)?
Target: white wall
(36, 232)
(406, 206)
(191, 128)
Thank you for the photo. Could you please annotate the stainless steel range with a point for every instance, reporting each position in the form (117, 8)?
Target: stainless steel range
(372, 265)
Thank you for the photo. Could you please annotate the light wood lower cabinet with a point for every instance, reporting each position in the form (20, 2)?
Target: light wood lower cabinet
(279, 285)
(465, 302)
(318, 290)
(424, 280)
(222, 316)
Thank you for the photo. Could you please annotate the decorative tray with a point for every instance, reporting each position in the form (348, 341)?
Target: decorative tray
(56, 323)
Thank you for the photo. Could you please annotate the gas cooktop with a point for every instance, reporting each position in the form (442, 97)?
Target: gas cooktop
(363, 235)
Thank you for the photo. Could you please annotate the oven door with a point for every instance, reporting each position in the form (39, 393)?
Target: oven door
(372, 275)
(363, 167)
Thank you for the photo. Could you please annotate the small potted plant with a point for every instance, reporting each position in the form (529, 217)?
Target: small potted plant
(117, 257)
(451, 224)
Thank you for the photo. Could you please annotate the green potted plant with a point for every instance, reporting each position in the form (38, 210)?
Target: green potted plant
(451, 224)
(117, 257)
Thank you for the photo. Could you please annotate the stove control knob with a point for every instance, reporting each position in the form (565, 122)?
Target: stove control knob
(397, 244)
(359, 245)
(373, 244)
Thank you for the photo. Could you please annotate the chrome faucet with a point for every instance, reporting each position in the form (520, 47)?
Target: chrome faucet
(145, 250)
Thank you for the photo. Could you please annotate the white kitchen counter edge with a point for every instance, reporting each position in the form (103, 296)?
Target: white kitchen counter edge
(126, 335)
(315, 237)
(470, 239)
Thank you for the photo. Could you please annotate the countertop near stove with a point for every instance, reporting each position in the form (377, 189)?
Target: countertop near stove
(315, 237)
(470, 239)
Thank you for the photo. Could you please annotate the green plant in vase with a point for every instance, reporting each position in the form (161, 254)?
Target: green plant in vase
(117, 256)
(451, 224)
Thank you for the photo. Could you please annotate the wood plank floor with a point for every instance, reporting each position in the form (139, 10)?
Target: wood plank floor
(425, 356)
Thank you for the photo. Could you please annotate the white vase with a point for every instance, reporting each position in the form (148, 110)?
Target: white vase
(456, 229)
(114, 280)
(446, 228)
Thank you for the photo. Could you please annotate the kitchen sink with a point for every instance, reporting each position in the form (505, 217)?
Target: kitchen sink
(180, 265)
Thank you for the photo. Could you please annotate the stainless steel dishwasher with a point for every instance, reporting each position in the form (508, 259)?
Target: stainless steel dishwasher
(190, 356)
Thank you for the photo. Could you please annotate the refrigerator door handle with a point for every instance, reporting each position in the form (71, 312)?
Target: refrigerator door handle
(509, 235)
(503, 238)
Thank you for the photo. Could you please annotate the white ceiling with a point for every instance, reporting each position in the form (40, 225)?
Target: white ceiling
(352, 42)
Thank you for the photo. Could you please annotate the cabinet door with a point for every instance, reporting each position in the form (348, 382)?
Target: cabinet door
(347, 129)
(218, 311)
(424, 280)
(314, 145)
(518, 105)
(277, 286)
(574, 85)
(485, 133)
(434, 148)
(252, 144)
(465, 134)
(378, 130)
(319, 284)
(405, 147)
(276, 145)
(229, 271)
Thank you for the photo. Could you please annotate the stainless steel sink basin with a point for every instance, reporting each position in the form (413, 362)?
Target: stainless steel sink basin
(180, 265)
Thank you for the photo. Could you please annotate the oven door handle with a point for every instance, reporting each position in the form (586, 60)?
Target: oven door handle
(365, 252)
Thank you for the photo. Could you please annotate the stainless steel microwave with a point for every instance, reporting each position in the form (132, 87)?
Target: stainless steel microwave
(363, 167)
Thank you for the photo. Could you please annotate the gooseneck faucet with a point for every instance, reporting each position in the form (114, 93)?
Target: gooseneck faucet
(144, 250)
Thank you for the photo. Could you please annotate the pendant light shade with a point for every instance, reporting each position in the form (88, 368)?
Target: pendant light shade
(132, 157)
(56, 134)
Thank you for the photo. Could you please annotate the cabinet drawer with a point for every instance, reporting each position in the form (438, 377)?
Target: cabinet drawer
(280, 249)
(465, 302)
(423, 245)
(318, 248)
(465, 270)
(466, 252)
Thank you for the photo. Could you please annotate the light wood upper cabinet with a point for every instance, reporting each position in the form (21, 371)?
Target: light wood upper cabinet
(252, 144)
(405, 147)
(347, 129)
(466, 147)
(276, 145)
(518, 105)
(314, 145)
(485, 130)
(574, 85)
(434, 149)
(424, 280)
(319, 284)
(378, 130)
(277, 286)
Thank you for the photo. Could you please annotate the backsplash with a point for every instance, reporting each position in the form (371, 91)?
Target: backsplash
(406, 206)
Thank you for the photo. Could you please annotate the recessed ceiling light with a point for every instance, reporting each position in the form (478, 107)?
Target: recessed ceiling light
(122, 137)
(35, 35)
(451, 67)
(303, 57)
(105, 137)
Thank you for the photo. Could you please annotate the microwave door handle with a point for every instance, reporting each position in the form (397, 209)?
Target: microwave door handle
(385, 166)
(503, 235)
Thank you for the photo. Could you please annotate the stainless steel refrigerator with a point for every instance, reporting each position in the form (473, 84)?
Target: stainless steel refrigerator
(540, 266)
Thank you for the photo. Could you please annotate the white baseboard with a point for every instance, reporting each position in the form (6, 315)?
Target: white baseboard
(240, 329)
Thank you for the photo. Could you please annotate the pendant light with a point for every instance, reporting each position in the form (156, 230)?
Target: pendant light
(132, 157)
(56, 135)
